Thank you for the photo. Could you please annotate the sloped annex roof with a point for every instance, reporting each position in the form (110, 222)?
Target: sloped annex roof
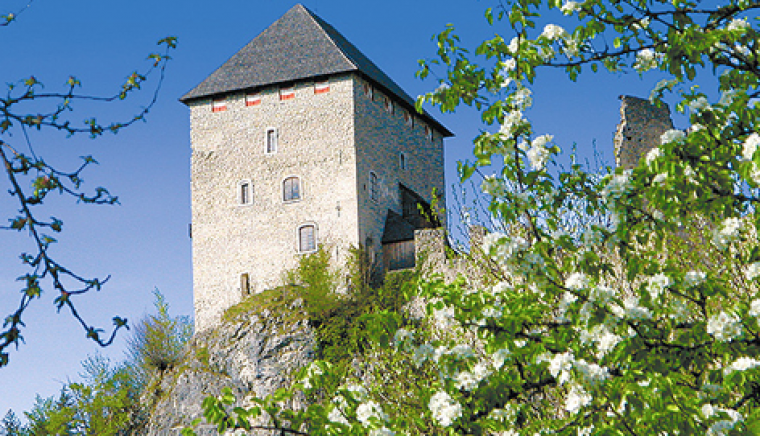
(298, 46)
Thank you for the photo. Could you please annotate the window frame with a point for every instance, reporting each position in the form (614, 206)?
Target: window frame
(374, 187)
(284, 192)
(245, 192)
(314, 236)
(275, 144)
(408, 119)
(388, 104)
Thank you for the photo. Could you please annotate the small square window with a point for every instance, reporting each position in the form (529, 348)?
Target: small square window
(252, 99)
(271, 141)
(287, 93)
(321, 87)
(219, 105)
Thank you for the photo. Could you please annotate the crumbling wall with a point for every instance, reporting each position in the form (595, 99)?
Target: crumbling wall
(641, 125)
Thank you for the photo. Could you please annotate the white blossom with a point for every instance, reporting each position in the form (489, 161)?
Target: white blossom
(337, 413)
(694, 278)
(569, 7)
(384, 431)
(509, 64)
(724, 327)
(592, 373)
(723, 427)
(469, 380)
(576, 281)
(652, 155)
(660, 178)
(737, 24)
(754, 308)
(658, 283)
(631, 309)
(750, 146)
(577, 398)
(444, 408)
(512, 122)
(538, 157)
(514, 45)
(672, 136)
(617, 185)
(727, 232)
(366, 411)
(560, 366)
(553, 31)
(499, 357)
(699, 104)
(742, 364)
(522, 98)
(646, 60)
(491, 240)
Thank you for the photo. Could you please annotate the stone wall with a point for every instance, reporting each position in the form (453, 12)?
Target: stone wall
(331, 141)
(641, 125)
(315, 143)
(383, 134)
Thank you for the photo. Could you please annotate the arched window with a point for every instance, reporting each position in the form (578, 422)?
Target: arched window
(307, 238)
(291, 189)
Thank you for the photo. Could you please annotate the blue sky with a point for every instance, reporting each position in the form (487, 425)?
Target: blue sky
(143, 243)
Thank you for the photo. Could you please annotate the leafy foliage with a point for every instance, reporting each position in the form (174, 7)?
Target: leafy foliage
(641, 320)
(112, 398)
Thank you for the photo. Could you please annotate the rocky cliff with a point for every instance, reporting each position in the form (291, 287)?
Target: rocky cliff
(255, 350)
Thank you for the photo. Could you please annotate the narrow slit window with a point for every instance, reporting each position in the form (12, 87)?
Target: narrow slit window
(307, 238)
(271, 141)
(402, 161)
(429, 133)
(408, 119)
(374, 188)
(291, 189)
(368, 91)
(388, 103)
(246, 193)
(287, 93)
(253, 99)
(245, 284)
(321, 87)
(219, 105)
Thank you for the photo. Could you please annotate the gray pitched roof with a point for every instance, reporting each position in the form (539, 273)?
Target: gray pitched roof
(298, 46)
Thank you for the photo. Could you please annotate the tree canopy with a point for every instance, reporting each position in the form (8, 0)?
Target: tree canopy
(642, 317)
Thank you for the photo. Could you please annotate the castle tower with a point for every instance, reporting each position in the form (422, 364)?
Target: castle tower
(300, 140)
(641, 125)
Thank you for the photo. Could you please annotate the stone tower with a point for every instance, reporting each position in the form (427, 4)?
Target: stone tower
(641, 125)
(300, 140)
